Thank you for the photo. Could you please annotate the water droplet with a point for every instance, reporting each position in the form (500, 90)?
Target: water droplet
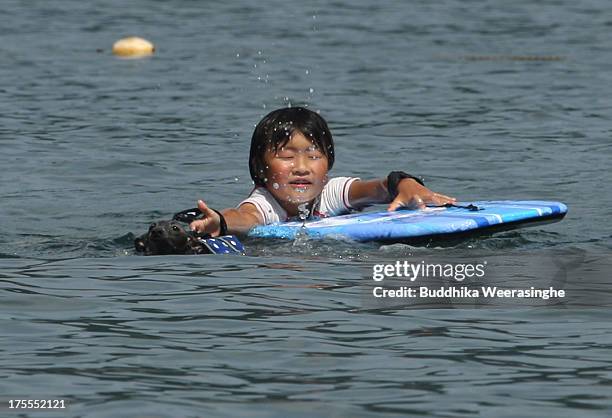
(237, 55)
(236, 179)
(275, 186)
(311, 90)
(307, 71)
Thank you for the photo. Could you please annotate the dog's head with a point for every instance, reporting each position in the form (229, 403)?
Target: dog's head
(164, 237)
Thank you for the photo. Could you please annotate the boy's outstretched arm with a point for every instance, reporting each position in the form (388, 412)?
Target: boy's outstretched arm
(238, 221)
(410, 194)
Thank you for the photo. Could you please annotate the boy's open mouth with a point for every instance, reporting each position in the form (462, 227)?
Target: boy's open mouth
(300, 183)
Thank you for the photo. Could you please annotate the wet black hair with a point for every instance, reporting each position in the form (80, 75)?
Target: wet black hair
(276, 129)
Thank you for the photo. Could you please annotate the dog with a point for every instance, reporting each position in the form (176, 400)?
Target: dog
(169, 237)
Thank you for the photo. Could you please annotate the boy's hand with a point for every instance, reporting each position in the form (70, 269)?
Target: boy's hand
(209, 224)
(412, 195)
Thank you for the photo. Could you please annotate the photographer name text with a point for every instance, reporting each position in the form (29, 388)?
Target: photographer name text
(458, 272)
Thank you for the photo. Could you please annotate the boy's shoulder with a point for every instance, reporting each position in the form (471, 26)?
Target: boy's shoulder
(335, 196)
(340, 183)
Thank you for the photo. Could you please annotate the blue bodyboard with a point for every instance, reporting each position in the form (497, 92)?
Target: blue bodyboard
(425, 225)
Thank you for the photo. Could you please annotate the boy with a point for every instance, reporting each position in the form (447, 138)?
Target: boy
(292, 151)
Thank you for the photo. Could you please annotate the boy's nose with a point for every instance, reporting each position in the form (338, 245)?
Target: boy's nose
(301, 165)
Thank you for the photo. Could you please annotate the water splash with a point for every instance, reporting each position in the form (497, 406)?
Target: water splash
(303, 214)
(302, 235)
(303, 211)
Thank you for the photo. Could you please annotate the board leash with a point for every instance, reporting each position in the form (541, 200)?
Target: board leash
(470, 207)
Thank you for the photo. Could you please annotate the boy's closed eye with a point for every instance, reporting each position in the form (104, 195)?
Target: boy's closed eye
(290, 157)
(285, 155)
(313, 154)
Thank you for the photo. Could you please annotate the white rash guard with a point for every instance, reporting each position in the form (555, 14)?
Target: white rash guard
(334, 200)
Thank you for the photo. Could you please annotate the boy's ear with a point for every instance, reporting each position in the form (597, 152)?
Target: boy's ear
(139, 245)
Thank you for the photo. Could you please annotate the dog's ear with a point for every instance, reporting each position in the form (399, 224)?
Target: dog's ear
(139, 245)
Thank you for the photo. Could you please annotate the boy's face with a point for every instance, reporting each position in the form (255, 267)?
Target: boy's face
(296, 173)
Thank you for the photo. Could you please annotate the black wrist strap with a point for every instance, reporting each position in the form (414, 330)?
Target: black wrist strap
(223, 224)
(393, 180)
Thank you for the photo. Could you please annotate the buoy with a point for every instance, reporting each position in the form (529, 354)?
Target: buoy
(133, 47)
